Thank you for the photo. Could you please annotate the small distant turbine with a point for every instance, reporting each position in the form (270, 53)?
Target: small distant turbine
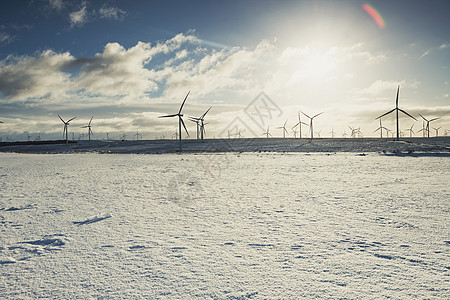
(411, 131)
(89, 128)
(381, 129)
(267, 133)
(239, 134)
(427, 128)
(396, 109)
(107, 136)
(311, 123)
(180, 119)
(344, 134)
(66, 129)
(437, 130)
(299, 124)
(284, 129)
(138, 135)
(318, 133)
(175, 135)
(332, 133)
(294, 131)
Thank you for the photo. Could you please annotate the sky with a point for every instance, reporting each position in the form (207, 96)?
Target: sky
(256, 63)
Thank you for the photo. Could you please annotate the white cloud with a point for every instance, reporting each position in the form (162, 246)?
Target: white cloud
(109, 12)
(5, 38)
(56, 4)
(79, 17)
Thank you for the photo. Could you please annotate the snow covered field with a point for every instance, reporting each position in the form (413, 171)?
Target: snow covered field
(224, 226)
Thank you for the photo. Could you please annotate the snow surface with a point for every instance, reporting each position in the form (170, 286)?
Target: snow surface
(405, 145)
(224, 226)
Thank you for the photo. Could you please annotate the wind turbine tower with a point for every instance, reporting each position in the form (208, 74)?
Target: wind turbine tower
(427, 128)
(89, 128)
(311, 123)
(180, 119)
(284, 129)
(396, 109)
(66, 129)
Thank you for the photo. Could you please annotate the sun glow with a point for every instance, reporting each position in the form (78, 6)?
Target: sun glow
(312, 66)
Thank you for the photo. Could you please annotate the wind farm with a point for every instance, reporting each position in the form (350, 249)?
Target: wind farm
(224, 150)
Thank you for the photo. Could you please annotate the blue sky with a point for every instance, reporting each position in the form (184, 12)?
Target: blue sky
(127, 62)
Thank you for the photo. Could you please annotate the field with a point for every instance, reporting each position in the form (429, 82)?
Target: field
(224, 226)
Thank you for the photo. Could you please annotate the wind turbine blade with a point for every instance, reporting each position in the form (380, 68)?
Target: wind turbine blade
(406, 113)
(306, 115)
(285, 124)
(71, 119)
(433, 119)
(385, 114)
(396, 99)
(84, 126)
(168, 116)
(182, 104)
(61, 119)
(182, 122)
(205, 113)
(423, 117)
(317, 115)
(91, 120)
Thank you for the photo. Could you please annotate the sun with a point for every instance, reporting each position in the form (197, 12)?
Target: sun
(313, 66)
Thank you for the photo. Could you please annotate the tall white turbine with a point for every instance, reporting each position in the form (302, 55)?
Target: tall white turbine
(427, 128)
(89, 128)
(180, 118)
(311, 123)
(299, 124)
(396, 109)
(66, 128)
(437, 130)
(284, 129)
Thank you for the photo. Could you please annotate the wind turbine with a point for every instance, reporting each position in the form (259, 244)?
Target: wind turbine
(200, 124)
(175, 135)
(318, 133)
(411, 131)
(354, 131)
(284, 129)
(180, 118)
(197, 123)
(66, 129)
(89, 128)
(239, 135)
(311, 123)
(381, 129)
(428, 124)
(138, 135)
(294, 132)
(396, 109)
(299, 124)
(437, 130)
(332, 133)
(107, 136)
(344, 134)
(267, 133)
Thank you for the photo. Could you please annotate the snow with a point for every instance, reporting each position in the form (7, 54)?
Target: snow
(405, 145)
(225, 225)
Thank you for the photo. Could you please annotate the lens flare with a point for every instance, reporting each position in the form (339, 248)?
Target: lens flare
(374, 14)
